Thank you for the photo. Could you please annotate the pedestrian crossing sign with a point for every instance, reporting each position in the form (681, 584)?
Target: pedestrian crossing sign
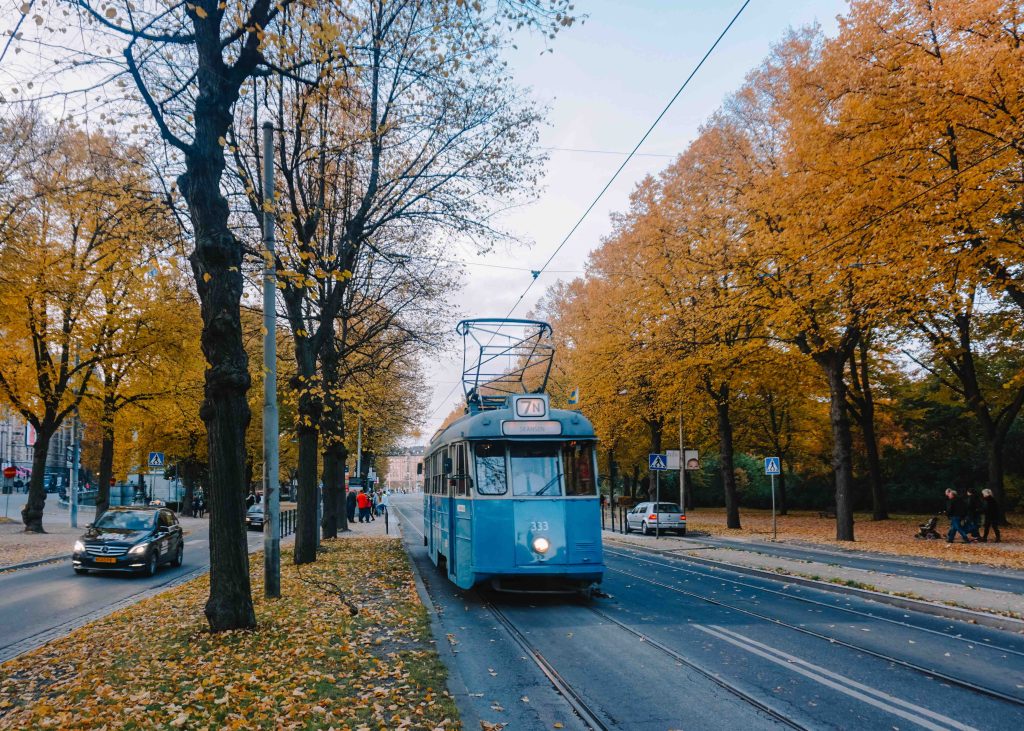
(156, 459)
(657, 462)
(771, 466)
(574, 396)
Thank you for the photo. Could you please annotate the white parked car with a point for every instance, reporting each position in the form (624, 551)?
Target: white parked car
(667, 517)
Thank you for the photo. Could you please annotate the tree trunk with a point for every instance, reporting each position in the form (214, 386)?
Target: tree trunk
(879, 499)
(725, 456)
(188, 480)
(341, 510)
(832, 363)
(106, 469)
(329, 521)
(780, 491)
(35, 502)
(217, 266)
(306, 524)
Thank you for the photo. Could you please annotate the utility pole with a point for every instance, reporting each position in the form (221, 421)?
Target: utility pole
(682, 465)
(359, 448)
(73, 488)
(271, 491)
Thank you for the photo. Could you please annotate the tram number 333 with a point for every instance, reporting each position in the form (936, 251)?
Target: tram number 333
(539, 525)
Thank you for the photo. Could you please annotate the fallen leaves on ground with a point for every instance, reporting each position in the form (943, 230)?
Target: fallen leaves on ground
(894, 536)
(17, 546)
(310, 663)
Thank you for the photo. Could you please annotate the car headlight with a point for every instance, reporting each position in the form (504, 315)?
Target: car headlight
(541, 545)
(79, 547)
(138, 550)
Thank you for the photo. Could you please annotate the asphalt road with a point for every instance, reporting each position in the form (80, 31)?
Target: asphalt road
(681, 645)
(983, 577)
(42, 603)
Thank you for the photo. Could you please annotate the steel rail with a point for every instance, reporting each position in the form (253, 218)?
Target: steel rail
(815, 602)
(579, 705)
(966, 684)
(717, 679)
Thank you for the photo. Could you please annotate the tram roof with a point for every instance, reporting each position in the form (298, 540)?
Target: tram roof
(487, 425)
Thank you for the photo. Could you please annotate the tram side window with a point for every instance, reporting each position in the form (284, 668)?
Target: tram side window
(461, 477)
(490, 469)
(579, 468)
(535, 469)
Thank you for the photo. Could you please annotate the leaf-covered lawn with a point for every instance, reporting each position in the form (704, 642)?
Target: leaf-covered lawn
(895, 536)
(310, 664)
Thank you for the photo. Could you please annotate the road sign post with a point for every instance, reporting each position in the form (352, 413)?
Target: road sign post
(657, 463)
(772, 467)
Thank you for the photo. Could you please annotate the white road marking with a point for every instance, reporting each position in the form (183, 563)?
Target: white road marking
(913, 713)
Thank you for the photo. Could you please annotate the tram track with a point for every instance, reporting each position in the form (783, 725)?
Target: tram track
(953, 680)
(813, 602)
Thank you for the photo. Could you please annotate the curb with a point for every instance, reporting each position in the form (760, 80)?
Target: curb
(972, 616)
(31, 564)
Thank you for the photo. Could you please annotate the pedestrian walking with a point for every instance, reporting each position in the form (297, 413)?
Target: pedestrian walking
(364, 503)
(373, 505)
(974, 508)
(990, 506)
(956, 511)
(350, 506)
(250, 499)
(385, 501)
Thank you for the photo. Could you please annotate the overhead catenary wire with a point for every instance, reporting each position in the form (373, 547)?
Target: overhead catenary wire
(632, 154)
(536, 273)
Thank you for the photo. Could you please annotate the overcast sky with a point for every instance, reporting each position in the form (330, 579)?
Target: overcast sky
(605, 83)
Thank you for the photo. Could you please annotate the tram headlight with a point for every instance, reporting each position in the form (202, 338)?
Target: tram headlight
(541, 545)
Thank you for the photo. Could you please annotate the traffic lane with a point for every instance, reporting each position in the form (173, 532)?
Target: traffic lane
(969, 661)
(1010, 580)
(847, 605)
(489, 676)
(34, 602)
(635, 685)
(818, 682)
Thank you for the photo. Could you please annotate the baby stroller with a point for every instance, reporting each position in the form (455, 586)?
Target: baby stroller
(927, 529)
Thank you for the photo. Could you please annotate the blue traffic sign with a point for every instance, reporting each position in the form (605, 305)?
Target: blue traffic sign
(156, 459)
(657, 462)
(772, 466)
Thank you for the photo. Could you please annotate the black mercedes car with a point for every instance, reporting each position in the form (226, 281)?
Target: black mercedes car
(135, 539)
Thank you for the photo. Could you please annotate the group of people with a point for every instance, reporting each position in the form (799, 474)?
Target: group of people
(965, 512)
(369, 503)
(198, 506)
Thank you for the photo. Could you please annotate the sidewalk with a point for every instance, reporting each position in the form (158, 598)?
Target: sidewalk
(18, 547)
(989, 601)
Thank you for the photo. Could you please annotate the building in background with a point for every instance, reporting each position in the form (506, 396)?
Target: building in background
(403, 474)
(17, 450)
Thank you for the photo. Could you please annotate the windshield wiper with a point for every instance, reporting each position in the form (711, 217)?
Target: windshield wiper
(551, 483)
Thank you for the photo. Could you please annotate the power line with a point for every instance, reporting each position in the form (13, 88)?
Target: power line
(606, 152)
(631, 155)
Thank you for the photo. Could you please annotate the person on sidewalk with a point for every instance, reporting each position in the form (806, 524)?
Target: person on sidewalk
(974, 508)
(385, 501)
(991, 509)
(350, 506)
(363, 500)
(373, 505)
(956, 511)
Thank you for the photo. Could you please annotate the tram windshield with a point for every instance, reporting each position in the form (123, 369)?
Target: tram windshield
(535, 469)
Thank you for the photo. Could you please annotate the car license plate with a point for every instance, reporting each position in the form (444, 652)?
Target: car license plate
(106, 559)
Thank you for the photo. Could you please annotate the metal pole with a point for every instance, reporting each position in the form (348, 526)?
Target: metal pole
(773, 508)
(682, 465)
(657, 504)
(73, 495)
(359, 448)
(271, 492)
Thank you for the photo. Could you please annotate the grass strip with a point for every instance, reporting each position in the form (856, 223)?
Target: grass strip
(348, 646)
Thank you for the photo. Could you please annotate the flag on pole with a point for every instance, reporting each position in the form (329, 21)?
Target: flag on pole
(574, 396)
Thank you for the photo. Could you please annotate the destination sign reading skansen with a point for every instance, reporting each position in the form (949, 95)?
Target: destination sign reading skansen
(530, 428)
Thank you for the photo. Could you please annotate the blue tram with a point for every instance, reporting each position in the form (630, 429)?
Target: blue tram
(511, 499)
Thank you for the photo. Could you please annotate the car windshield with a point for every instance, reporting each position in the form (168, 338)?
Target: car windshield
(535, 469)
(127, 520)
(256, 509)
